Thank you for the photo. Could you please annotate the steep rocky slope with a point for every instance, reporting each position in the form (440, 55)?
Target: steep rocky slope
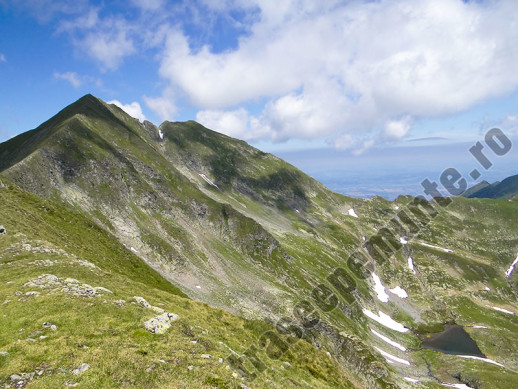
(243, 230)
(77, 308)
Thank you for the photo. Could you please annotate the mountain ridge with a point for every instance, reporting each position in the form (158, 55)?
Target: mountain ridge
(242, 230)
(506, 189)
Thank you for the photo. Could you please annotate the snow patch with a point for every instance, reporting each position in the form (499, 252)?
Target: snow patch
(388, 340)
(198, 287)
(479, 327)
(392, 358)
(501, 309)
(352, 213)
(411, 264)
(385, 320)
(380, 289)
(160, 134)
(481, 359)
(511, 268)
(488, 289)
(437, 247)
(208, 180)
(403, 240)
(399, 291)
(412, 380)
(134, 250)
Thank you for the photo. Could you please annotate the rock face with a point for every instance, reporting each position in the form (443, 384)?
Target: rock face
(141, 301)
(160, 324)
(243, 230)
(68, 286)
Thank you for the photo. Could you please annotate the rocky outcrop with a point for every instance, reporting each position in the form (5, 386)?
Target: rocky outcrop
(68, 286)
(160, 324)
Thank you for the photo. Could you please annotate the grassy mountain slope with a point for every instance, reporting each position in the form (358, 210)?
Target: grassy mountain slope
(243, 230)
(106, 164)
(504, 190)
(106, 331)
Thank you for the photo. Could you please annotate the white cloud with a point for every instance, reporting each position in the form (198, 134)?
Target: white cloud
(133, 109)
(163, 106)
(363, 69)
(2, 58)
(397, 129)
(107, 40)
(510, 123)
(356, 73)
(72, 77)
(109, 48)
(232, 123)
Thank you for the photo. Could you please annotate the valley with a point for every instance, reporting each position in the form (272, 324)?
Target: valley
(269, 278)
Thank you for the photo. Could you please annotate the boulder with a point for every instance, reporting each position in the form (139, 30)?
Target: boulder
(160, 324)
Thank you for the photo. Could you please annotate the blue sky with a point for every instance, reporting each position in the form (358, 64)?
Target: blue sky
(356, 77)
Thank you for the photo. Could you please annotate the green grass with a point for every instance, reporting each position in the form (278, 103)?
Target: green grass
(120, 352)
(258, 245)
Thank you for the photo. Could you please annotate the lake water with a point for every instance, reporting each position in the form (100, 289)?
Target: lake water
(453, 340)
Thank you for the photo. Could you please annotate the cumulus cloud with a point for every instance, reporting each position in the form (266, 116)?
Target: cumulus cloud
(232, 123)
(354, 72)
(397, 129)
(107, 40)
(72, 77)
(163, 106)
(133, 109)
(350, 68)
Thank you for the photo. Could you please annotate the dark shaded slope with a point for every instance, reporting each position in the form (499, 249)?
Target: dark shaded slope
(503, 190)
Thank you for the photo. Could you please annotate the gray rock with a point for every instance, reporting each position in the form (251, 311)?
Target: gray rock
(206, 356)
(81, 369)
(160, 324)
(3, 353)
(142, 301)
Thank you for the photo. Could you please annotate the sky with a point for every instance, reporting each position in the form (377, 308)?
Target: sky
(362, 81)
